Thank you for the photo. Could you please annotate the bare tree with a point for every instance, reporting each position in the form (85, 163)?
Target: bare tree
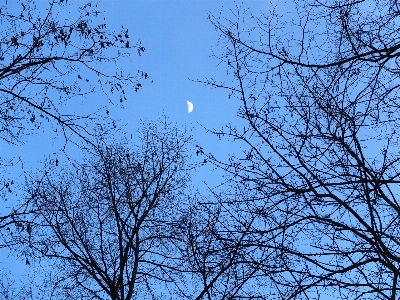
(48, 61)
(8, 288)
(51, 58)
(215, 249)
(315, 191)
(108, 225)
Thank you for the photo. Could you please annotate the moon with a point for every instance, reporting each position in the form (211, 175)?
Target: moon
(189, 106)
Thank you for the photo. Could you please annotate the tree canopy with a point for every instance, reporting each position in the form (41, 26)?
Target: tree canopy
(314, 193)
(52, 60)
(108, 222)
(307, 210)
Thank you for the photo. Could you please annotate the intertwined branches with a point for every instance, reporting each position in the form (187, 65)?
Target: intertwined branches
(52, 58)
(47, 62)
(108, 224)
(317, 179)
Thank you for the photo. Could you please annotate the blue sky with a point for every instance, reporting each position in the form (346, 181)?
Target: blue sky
(179, 40)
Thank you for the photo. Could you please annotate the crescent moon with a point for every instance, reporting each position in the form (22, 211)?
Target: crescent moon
(189, 106)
